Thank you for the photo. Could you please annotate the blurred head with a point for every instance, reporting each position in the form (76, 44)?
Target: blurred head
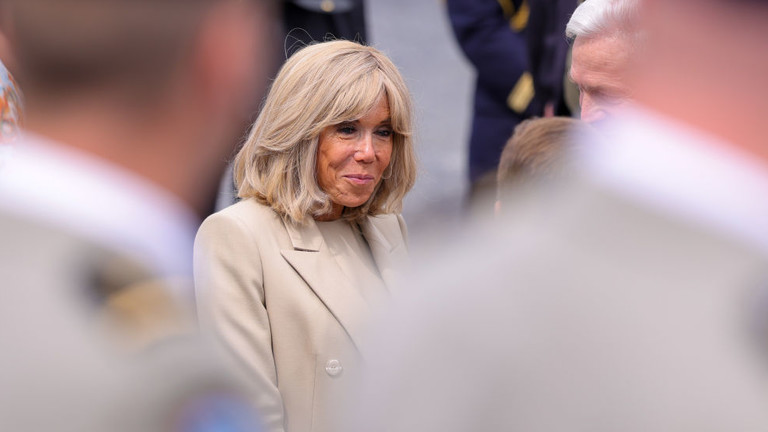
(705, 65)
(334, 136)
(605, 38)
(156, 86)
(66, 47)
(535, 150)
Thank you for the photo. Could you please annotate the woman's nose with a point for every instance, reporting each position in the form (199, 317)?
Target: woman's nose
(364, 151)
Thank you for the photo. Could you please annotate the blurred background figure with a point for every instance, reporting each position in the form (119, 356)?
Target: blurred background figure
(519, 54)
(605, 42)
(127, 106)
(623, 298)
(535, 151)
(309, 21)
(491, 35)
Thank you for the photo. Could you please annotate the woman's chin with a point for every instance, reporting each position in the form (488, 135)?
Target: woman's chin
(352, 203)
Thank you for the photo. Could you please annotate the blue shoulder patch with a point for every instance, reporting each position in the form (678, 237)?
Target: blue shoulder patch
(217, 412)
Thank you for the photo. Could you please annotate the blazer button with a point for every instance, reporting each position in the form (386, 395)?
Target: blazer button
(333, 367)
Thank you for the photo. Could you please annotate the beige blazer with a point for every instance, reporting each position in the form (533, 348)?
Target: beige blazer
(278, 301)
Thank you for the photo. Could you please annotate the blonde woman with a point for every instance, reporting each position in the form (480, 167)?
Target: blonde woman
(287, 276)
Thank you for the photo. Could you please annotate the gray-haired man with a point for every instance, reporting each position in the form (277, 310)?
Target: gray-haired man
(605, 38)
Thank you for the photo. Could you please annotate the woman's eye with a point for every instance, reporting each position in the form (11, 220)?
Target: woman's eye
(384, 133)
(346, 129)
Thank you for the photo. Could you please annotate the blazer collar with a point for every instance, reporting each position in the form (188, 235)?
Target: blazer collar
(390, 254)
(312, 260)
(305, 237)
(375, 237)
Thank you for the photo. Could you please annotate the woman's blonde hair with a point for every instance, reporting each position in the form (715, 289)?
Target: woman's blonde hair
(322, 85)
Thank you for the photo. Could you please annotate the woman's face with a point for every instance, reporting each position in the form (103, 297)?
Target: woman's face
(352, 156)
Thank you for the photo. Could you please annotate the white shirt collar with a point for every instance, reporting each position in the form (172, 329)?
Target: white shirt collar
(684, 172)
(102, 202)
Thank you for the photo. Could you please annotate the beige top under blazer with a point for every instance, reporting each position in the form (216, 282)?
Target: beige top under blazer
(277, 298)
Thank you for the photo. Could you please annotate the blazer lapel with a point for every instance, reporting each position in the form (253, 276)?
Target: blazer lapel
(313, 261)
(390, 255)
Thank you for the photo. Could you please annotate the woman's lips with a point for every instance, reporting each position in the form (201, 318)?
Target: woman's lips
(359, 179)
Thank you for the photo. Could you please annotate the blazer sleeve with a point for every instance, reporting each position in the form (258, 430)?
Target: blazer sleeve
(230, 293)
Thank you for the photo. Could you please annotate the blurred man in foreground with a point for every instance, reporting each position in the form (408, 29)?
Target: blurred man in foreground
(630, 297)
(130, 106)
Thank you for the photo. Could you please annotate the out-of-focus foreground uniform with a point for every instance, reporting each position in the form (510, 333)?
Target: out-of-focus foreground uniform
(284, 304)
(96, 332)
(90, 347)
(632, 297)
